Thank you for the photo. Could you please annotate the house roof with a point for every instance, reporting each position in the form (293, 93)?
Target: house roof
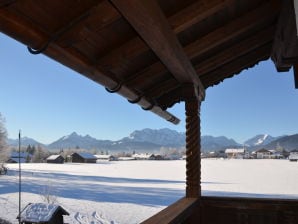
(86, 155)
(40, 212)
(155, 53)
(22, 154)
(103, 156)
(53, 157)
(16, 160)
(142, 156)
(234, 150)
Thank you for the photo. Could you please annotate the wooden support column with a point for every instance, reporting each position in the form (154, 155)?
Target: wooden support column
(296, 75)
(193, 148)
(296, 14)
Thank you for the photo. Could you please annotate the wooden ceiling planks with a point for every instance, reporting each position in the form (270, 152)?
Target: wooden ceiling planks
(236, 66)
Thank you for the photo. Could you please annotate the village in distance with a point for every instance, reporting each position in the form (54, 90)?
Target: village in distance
(149, 144)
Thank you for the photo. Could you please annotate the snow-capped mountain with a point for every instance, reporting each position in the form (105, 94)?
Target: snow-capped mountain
(289, 143)
(260, 140)
(163, 137)
(151, 140)
(75, 140)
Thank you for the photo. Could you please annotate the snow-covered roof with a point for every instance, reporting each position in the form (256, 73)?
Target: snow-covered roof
(40, 212)
(126, 158)
(53, 157)
(143, 156)
(86, 155)
(234, 151)
(103, 156)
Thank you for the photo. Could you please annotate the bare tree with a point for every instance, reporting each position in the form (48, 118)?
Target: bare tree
(3, 138)
(48, 194)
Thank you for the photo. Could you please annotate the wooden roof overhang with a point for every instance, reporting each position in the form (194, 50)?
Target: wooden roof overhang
(153, 53)
(156, 53)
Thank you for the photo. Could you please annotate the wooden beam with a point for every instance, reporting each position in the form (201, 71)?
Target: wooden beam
(240, 26)
(149, 21)
(232, 30)
(193, 148)
(285, 48)
(187, 17)
(236, 51)
(26, 32)
(243, 24)
(5, 3)
(175, 213)
(296, 75)
(296, 14)
(236, 66)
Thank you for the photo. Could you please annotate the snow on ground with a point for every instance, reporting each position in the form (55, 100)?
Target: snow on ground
(131, 191)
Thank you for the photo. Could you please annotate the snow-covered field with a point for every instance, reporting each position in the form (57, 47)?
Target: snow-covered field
(131, 191)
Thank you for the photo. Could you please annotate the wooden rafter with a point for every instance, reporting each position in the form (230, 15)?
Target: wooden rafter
(149, 21)
(230, 31)
(285, 48)
(237, 65)
(296, 14)
(240, 26)
(235, 51)
(16, 26)
(179, 22)
(296, 75)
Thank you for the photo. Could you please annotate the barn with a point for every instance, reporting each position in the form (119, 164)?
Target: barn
(83, 157)
(55, 159)
(42, 213)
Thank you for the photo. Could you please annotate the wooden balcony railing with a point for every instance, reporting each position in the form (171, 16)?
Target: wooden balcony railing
(223, 210)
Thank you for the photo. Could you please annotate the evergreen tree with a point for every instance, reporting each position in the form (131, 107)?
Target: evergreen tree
(40, 155)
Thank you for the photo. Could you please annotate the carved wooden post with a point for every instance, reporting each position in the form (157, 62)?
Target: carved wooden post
(193, 148)
(296, 75)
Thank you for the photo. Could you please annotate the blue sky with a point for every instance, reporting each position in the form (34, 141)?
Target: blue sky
(47, 101)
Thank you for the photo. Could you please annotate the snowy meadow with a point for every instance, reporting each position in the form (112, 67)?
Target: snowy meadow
(131, 191)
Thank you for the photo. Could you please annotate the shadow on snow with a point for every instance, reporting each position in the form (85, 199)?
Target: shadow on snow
(94, 188)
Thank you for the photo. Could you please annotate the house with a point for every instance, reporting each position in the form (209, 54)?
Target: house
(42, 213)
(143, 156)
(105, 157)
(83, 157)
(276, 154)
(235, 153)
(159, 157)
(55, 159)
(263, 154)
(23, 157)
(293, 157)
(126, 158)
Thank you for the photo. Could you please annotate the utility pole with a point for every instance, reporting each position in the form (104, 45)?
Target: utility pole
(20, 177)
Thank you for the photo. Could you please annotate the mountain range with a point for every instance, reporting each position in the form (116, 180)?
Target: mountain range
(151, 140)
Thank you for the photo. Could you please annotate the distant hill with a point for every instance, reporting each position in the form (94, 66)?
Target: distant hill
(210, 143)
(260, 141)
(289, 143)
(162, 137)
(75, 140)
(25, 141)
